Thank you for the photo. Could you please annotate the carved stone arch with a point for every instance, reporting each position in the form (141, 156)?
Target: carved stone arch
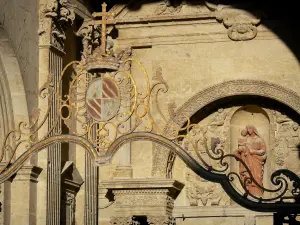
(13, 103)
(219, 91)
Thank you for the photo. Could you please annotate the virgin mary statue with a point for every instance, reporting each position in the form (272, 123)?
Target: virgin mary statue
(252, 151)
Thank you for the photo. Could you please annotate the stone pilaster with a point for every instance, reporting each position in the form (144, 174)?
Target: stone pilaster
(24, 196)
(71, 183)
(54, 152)
(91, 192)
(54, 18)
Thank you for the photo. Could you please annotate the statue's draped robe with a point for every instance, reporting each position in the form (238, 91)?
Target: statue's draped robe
(254, 158)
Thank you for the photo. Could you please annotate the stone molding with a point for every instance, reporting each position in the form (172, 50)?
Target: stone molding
(219, 91)
(241, 21)
(28, 173)
(127, 184)
(215, 211)
(234, 88)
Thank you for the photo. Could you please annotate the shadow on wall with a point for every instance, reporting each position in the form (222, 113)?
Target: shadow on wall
(280, 219)
(285, 13)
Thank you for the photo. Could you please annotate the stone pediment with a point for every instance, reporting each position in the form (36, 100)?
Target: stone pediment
(241, 21)
(137, 9)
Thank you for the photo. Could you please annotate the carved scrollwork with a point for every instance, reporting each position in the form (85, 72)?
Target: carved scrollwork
(240, 23)
(61, 14)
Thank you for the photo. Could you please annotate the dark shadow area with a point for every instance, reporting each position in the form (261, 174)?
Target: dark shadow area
(283, 219)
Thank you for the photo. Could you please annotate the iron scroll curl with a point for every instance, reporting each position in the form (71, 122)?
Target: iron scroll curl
(192, 163)
(102, 139)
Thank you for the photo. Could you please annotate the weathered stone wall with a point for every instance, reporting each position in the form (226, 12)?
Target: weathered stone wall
(193, 56)
(20, 20)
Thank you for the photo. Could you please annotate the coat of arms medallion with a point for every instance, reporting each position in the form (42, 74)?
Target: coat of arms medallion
(102, 99)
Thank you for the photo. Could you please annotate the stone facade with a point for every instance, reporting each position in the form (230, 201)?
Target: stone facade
(223, 67)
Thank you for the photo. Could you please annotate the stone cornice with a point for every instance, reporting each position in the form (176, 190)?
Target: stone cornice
(173, 186)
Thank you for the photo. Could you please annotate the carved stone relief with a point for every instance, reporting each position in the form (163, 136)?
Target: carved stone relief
(287, 140)
(166, 7)
(54, 17)
(201, 192)
(160, 220)
(199, 142)
(241, 23)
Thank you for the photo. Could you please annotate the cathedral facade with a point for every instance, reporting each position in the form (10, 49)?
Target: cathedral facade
(127, 80)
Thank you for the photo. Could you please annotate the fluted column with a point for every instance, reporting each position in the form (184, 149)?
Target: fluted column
(54, 152)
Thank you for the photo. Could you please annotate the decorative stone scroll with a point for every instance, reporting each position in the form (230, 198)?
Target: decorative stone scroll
(54, 17)
(241, 23)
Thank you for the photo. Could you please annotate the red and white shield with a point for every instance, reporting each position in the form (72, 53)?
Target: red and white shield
(102, 99)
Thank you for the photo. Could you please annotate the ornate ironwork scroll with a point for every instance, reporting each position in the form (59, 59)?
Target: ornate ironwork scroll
(113, 98)
(103, 97)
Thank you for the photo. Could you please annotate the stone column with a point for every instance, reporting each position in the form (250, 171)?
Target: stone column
(91, 192)
(24, 196)
(52, 37)
(54, 152)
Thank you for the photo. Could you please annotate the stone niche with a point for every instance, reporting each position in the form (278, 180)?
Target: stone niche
(260, 122)
(277, 132)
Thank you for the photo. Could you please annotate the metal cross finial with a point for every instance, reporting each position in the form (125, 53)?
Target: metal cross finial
(104, 14)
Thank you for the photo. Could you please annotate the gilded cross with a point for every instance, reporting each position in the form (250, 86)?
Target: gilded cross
(104, 15)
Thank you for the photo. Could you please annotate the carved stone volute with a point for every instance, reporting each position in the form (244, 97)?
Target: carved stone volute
(61, 14)
(241, 23)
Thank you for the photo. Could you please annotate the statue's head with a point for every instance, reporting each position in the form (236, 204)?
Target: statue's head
(244, 132)
(251, 130)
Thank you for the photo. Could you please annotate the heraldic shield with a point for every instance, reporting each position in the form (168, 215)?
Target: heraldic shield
(102, 99)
